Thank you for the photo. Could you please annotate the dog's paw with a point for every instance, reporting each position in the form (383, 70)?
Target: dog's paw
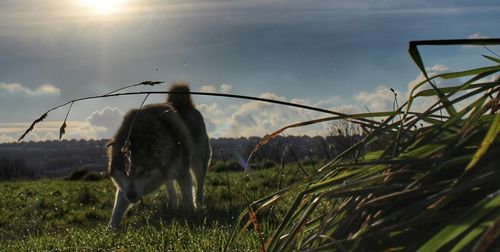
(112, 228)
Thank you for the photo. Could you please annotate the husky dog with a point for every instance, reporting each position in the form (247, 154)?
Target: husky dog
(156, 145)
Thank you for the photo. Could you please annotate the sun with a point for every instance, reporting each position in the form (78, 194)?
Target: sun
(103, 6)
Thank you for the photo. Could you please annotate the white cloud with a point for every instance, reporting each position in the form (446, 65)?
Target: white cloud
(39, 134)
(476, 35)
(208, 88)
(380, 99)
(33, 137)
(16, 88)
(421, 103)
(6, 139)
(101, 124)
(88, 131)
(329, 103)
(108, 117)
(223, 88)
(74, 130)
(434, 70)
(350, 109)
(50, 136)
(44, 126)
(254, 118)
(438, 68)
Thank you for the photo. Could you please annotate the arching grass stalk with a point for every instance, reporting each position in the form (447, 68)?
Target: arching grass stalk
(244, 97)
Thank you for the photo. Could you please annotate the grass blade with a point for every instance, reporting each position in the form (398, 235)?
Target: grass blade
(486, 143)
(497, 60)
(461, 224)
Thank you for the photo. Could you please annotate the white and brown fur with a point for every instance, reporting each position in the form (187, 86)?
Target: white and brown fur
(167, 141)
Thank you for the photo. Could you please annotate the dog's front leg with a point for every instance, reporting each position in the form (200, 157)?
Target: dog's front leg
(120, 208)
(172, 195)
(200, 171)
(186, 185)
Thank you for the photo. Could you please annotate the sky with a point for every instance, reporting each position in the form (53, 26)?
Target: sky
(338, 55)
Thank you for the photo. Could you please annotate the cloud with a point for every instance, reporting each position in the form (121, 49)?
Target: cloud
(245, 118)
(380, 99)
(88, 131)
(259, 118)
(208, 88)
(254, 118)
(99, 124)
(434, 70)
(223, 88)
(46, 130)
(422, 103)
(476, 35)
(214, 116)
(103, 123)
(438, 68)
(331, 102)
(108, 117)
(6, 139)
(16, 88)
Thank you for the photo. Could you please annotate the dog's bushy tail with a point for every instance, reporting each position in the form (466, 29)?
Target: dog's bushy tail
(180, 101)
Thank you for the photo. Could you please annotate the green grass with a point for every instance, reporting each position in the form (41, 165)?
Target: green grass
(72, 215)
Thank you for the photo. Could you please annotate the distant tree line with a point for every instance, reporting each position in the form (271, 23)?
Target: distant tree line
(51, 158)
(60, 158)
(12, 168)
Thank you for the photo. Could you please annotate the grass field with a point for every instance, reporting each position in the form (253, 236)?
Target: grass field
(72, 215)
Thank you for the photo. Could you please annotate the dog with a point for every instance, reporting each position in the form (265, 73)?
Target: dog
(159, 144)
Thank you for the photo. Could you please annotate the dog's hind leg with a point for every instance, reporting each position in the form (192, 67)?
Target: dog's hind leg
(172, 195)
(120, 208)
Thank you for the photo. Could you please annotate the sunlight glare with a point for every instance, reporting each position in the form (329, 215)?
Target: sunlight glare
(103, 6)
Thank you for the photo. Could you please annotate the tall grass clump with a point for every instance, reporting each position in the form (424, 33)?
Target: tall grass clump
(433, 183)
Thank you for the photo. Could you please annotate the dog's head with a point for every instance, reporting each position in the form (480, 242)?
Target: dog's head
(135, 171)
